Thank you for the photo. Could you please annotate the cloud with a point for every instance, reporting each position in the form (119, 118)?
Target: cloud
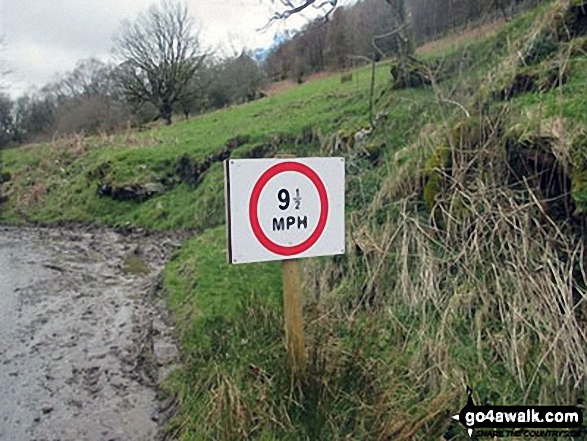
(45, 37)
(35, 63)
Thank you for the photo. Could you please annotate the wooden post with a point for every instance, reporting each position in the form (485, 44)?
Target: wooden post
(292, 308)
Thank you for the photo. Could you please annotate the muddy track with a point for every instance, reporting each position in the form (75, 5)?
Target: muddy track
(84, 339)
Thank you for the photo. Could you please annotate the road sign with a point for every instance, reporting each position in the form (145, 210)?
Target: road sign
(284, 208)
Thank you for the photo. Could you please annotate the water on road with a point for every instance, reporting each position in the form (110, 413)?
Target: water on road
(83, 336)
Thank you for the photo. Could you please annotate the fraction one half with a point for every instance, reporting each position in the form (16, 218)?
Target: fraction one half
(280, 209)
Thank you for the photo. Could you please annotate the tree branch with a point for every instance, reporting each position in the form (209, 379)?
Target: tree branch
(292, 9)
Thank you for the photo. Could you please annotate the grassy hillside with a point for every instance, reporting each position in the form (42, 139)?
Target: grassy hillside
(465, 237)
(61, 180)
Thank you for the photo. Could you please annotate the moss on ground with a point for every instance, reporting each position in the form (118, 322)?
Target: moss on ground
(579, 170)
(434, 173)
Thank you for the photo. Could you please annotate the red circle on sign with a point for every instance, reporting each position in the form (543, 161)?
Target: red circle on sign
(254, 204)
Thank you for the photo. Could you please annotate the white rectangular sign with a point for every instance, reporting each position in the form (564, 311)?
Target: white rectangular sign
(280, 209)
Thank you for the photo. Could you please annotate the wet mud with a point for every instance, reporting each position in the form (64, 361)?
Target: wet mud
(84, 338)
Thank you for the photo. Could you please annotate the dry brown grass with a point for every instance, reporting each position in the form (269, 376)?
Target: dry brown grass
(35, 179)
(462, 37)
(279, 87)
(491, 261)
(33, 195)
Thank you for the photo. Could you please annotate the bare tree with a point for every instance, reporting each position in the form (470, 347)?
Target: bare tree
(196, 96)
(400, 8)
(400, 31)
(403, 27)
(90, 77)
(158, 53)
(287, 8)
(6, 122)
(339, 40)
(34, 117)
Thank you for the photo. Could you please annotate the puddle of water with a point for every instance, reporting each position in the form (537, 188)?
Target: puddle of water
(74, 329)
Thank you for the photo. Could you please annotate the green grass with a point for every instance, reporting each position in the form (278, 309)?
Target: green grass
(392, 344)
(234, 364)
(414, 311)
(210, 299)
(201, 280)
(54, 182)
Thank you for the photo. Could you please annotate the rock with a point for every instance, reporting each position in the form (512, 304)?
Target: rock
(133, 192)
(191, 171)
(259, 151)
(153, 188)
(165, 353)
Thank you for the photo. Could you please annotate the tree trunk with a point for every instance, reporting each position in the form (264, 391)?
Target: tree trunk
(502, 9)
(167, 113)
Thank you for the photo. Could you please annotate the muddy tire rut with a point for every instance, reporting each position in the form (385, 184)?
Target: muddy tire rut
(84, 334)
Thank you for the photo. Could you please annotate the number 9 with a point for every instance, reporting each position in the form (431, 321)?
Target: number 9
(283, 196)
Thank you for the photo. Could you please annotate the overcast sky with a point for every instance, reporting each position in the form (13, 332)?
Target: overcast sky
(46, 37)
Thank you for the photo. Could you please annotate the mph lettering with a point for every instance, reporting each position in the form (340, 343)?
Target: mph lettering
(285, 223)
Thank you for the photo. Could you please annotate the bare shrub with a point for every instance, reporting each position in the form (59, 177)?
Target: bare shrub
(91, 115)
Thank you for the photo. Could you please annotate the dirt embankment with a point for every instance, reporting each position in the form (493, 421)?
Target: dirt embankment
(84, 335)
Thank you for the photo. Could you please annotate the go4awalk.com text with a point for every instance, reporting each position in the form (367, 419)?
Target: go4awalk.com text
(528, 433)
(520, 421)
